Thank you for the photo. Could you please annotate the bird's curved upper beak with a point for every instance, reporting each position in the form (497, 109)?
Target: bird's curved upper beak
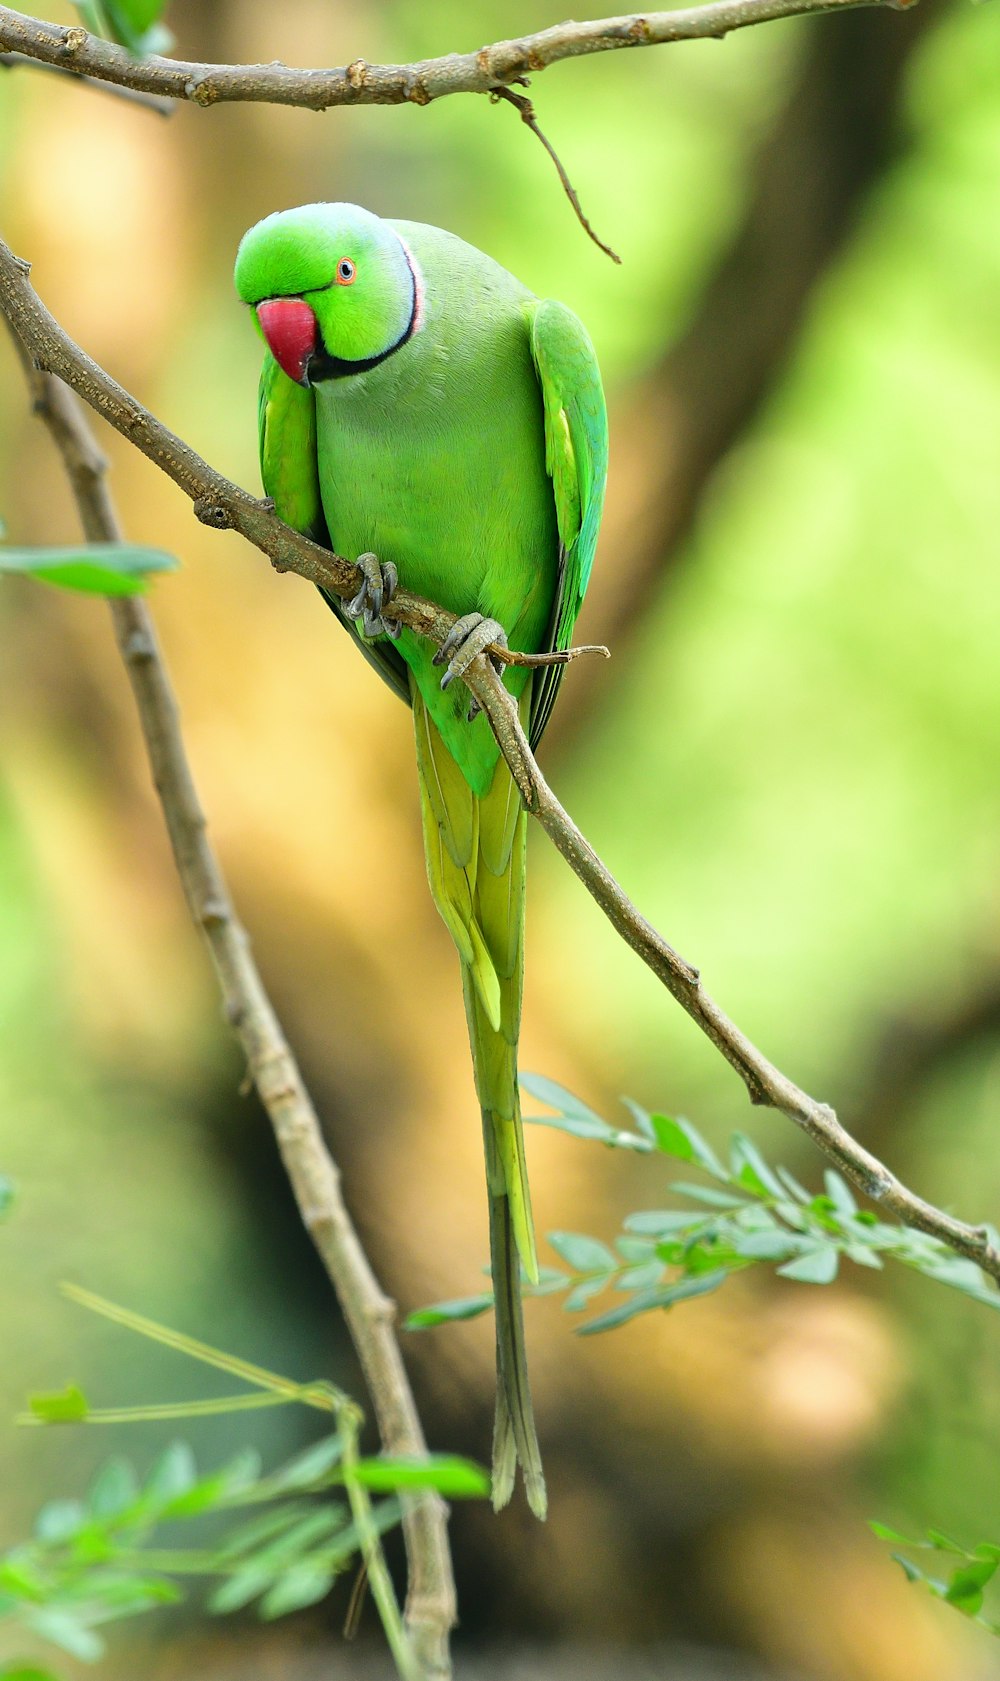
(291, 331)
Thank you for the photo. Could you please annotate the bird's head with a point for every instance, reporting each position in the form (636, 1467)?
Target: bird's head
(333, 289)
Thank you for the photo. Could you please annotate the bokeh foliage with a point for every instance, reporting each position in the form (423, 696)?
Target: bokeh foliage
(790, 763)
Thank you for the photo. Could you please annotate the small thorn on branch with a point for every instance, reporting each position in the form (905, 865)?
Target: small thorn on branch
(527, 114)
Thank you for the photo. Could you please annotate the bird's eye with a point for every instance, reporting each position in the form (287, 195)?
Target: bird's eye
(346, 270)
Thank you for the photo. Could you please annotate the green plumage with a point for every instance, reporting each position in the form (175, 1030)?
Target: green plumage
(453, 424)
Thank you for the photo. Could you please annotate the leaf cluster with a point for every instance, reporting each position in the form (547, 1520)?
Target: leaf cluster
(277, 1540)
(966, 1582)
(742, 1212)
(91, 1561)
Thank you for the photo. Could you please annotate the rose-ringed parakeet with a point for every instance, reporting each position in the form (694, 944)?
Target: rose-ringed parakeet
(422, 410)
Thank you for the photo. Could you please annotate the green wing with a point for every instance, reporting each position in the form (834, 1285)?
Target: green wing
(286, 430)
(576, 458)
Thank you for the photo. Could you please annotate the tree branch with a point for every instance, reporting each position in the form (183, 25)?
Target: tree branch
(147, 101)
(314, 1176)
(218, 502)
(72, 48)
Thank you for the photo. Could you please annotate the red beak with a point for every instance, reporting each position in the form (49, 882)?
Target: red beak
(289, 326)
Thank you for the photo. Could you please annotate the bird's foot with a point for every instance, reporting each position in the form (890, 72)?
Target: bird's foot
(378, 587)
(466, 640)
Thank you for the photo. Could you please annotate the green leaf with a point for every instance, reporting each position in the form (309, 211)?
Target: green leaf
(247, 1539)
(658, 1222)
(172, 1475)
(944, 1543)
(965, 1587)
(59, 1521)
(646, 1301)
(96, 568)
(63, 1630)
(20, 1673)
(817, 1266)
(239, 1589)
(773, 1245)
(677, 1137)
(443, 1313)
(797, 1192)
(68, 1406)
(576, 1118)
(582, 1253)
(750, 1168)
(643, 1277)
(452, 1476)
(641, 1117)
(840, 1194)
(235, 1478)
(884, 1533)
(709, 1195)
(17, 1577)
(305, 1584)
(308, 1467)
(114, 1489)
(133, 23)
(582, 1294)
(550, 1281)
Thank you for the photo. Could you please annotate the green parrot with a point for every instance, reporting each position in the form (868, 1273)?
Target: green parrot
(421, 410)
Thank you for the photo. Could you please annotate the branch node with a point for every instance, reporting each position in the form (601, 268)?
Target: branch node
(139, 647)
(213, 912)
(210, 512)
(73, 39)
(356, 74)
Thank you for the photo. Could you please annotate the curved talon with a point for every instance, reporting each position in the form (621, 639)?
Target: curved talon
(378, 586)
(466, 640)
(456, 636)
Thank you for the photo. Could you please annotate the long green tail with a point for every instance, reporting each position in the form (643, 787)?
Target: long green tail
(475, 850)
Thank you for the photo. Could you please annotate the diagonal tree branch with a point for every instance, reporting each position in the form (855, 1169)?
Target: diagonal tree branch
(314, 1176)
(219, 503)
(72, 48)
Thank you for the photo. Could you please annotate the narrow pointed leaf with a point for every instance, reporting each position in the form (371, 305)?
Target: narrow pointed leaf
(95, 568)
(582, 1253)
(819, 1266)
(443, 1313)
(450, 1475)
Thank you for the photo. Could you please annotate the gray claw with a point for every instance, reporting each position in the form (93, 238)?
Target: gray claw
(377, 590)
(456, 636)
(465, 642)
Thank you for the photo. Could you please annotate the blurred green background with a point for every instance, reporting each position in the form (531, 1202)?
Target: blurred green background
(790, 763)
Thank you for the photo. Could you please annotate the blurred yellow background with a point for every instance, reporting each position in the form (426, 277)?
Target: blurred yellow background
(790, 763)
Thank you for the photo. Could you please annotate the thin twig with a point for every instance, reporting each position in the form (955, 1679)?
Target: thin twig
(314, 1176)
(359, 83)
(527, 113)
(147, 101)
(556, 656)
(218, 502)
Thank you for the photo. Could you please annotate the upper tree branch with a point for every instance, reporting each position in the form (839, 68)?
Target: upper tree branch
(312, 1172)
(218, 502)
(72, 48)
